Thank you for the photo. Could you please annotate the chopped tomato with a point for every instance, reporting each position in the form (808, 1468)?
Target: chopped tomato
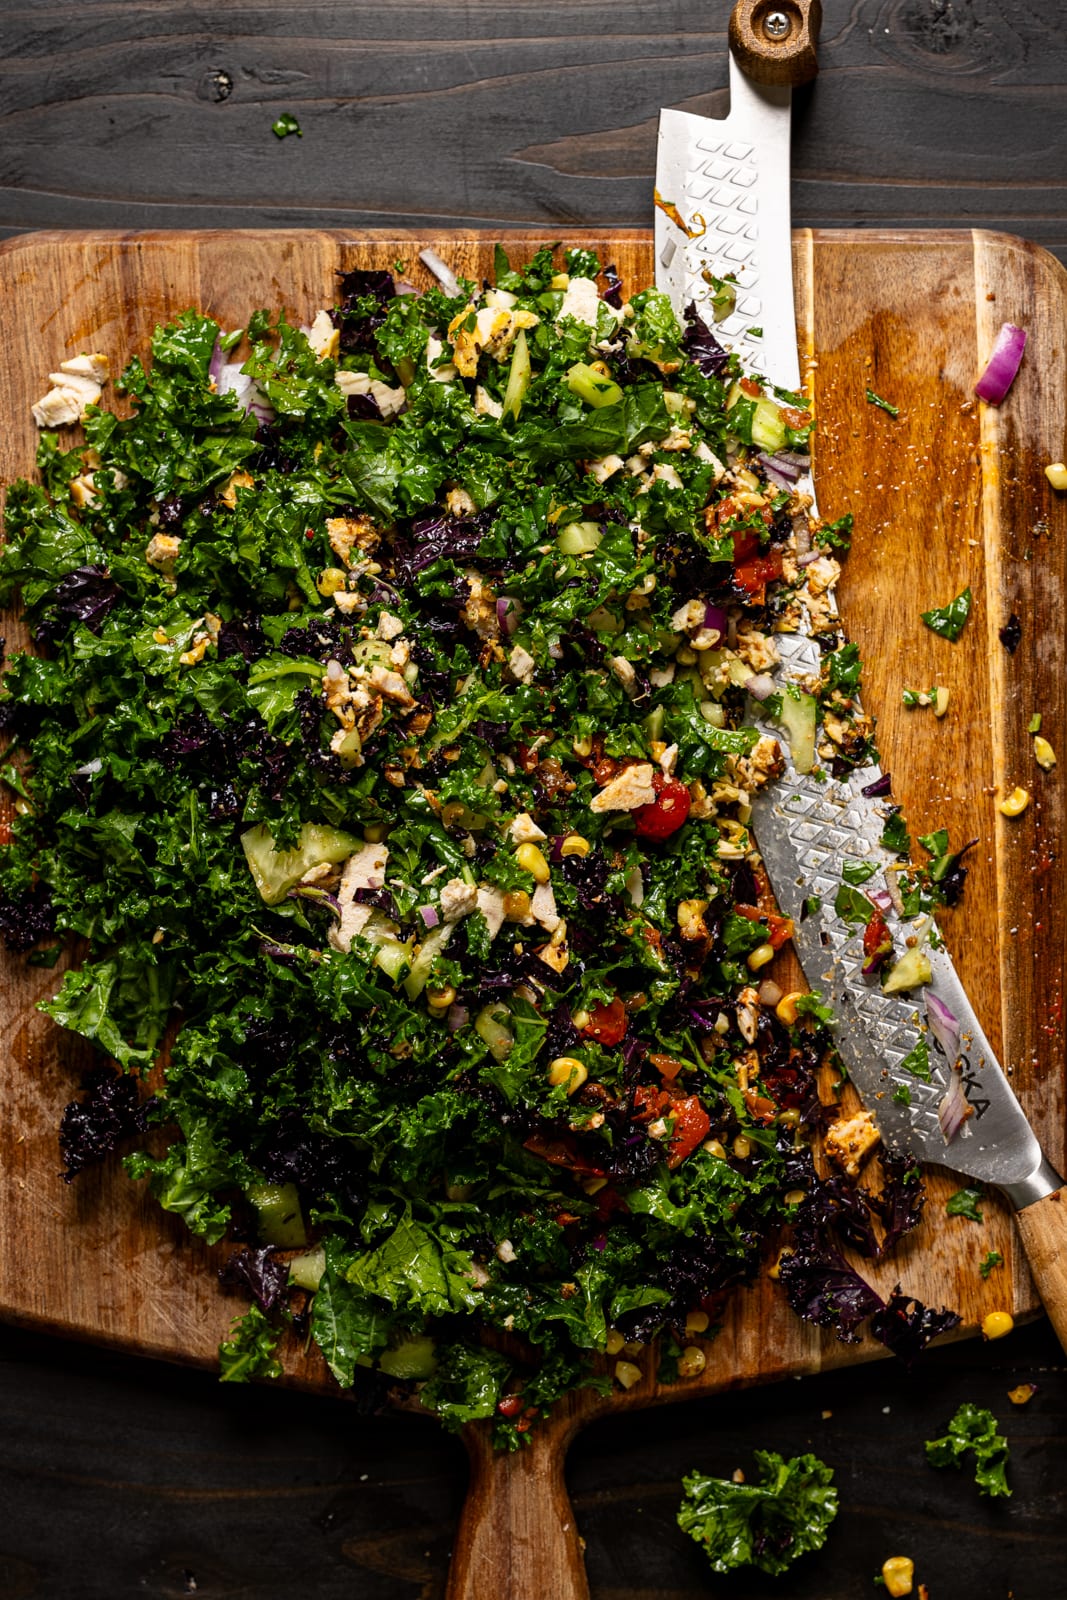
(753, 576)
(794, 418)
(561, 1153)
(691, 1122)
(760, 1109)
(877, 940)
(510, 1405)
(666, 1066)
(750, 387)
(667, 812)
(746, 545)
(607, 1024)
(779, 929)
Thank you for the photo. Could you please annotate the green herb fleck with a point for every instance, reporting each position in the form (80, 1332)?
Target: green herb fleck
(895, 835)
(902, 1095)
(948, 621)
(852, 906)
(858, 872)
(1034, 725)
(285, 125)
(993, 1259)
(883, 405)
(813, 1005)
(917, 1061)
(964, 1203)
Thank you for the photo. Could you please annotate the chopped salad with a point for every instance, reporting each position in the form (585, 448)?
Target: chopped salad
(385, 748)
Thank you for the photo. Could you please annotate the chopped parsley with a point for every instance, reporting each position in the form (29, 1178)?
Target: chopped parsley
(993, 1258)
(948, 621)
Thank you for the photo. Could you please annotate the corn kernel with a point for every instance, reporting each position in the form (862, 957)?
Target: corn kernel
(691, 1362)
(567, 1072)
(742, 1147)
(1056, 473)
(760, 957)
(715, 1147)
(581, 1019)
(594, 1185)
(582, 747)
(532, 860)
(1044, 754)
(897, 1574)
(786, 1009)
(560, 281)
(941, 698)
(516, 905)
(330, 581)
(626, 1374)
(1015, 804)
(632, 1347)
(601, 369)
(1022, 1394)
(614, 1342)
(440, 999)
(575, 845)
(697, 1322)
(997, 1324)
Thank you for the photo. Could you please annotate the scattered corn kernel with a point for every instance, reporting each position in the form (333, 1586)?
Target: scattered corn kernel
(742, 1147)
(581, 1019)
(632, 1347)
(774, 1270)
(760, 957)
(626, 1374)
(584, 746)
(601, 369)
(1022, 1394)
(614, 1342)
(997, 1324)
(715, 1147)
(1015, 804)
(1044, 754)
(691, 1362)
(796, 1196)
(560, 281)
(575, 845)
(697, 1322)
(941, 698)
(786, 1009)
(330, 581)
(440, 999)
(517, 905)
(1056, 473)
(567, 1072)
(532, 860)
(897, 1575)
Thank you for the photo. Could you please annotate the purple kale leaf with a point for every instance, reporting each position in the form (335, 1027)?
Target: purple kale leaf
(85, 595)
(701, 345)
(27, 918)
(822, 1288)
(899, 1203)
(258, 1273)
(437, 536)
(905, 1326)
(91, 1128)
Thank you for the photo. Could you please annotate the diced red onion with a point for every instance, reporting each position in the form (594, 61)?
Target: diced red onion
(953, 1111)
(403, 287)
(880, 786)
(458, 1017)
(943, 1025)
(214, 366)
(508, 613)
(784, 468)
(882, 899)
(429, 916)
(760, 686)
(808, 557)
(232, 380)
(441, 271)
(1003, 364)
(715, 617)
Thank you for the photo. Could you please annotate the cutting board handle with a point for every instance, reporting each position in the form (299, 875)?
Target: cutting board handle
(517, 1536)
(1043, 1229)
(774, 40)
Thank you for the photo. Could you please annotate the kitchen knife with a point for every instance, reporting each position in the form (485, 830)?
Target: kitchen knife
(722, 208)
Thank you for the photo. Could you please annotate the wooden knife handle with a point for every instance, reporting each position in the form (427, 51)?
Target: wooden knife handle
(774, 40)
(517, 1536)
(1043, 1229)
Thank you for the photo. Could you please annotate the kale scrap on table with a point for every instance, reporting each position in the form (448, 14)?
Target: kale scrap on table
(385, 742)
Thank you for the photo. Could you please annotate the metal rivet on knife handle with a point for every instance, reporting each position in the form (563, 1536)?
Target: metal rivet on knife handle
(774, 40)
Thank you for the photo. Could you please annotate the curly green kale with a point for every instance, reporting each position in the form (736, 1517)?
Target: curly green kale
(974, 1429)
(767, 1524)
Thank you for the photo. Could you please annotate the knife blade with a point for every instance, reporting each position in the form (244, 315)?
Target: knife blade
(722, 208)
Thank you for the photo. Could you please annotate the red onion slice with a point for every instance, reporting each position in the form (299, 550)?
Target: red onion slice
(953, 1111)
(214, 366)
(882, 899)
(715, 617)
(760, 686)
(943, 1025)
(441, 271)
(1003, 364)
(508, 613)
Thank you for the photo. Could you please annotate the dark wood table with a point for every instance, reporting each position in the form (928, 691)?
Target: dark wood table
(121, 1478)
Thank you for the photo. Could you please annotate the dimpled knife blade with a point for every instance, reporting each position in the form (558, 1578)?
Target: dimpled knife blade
(722, 192)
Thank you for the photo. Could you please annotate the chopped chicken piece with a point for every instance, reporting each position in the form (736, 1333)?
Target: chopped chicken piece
(458, 899)
(237, 480)
(162, 553)
(822, 575)
(352, 533)
(92, 365)
(324, 338)
(364, 870)
(522, 664)
(850, 1141)
(604, 468)
(756, 649)
(625, 673)
(581, 301)
(479, 608)
(490, 902)
(543, 907)
(392, 686)
(354, 919)
(485, 405)
(458, 503)
(59, 408)
(524, 830)
(632, 788)
(83, 489)
(389, 627)
(390, 402)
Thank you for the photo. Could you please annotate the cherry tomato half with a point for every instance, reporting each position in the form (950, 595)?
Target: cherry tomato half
(607, 1024)
(667, 811)
(779, 929)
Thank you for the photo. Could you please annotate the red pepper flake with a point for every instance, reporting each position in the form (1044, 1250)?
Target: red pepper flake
(309, 533)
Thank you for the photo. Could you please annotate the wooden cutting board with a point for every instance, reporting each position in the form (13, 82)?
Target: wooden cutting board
(948, 494)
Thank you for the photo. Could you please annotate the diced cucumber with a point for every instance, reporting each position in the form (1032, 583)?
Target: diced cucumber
(579, 538)
(306, 1271)
(278, 1215)
(489, 1025)
(768, 427)
(910, 971)
(797, 718)
(592, 387)
(277, 871)
(518, 376)
(653, 723)
(432, 946)
(415, 1359)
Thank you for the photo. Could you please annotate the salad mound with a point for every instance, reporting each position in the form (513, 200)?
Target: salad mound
(386, 744)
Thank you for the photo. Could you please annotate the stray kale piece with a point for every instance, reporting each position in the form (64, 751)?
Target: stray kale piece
(857, 872)
(813, 1005)
(1034, 725)
(917, 1062)
(993, 1259)
(1010, 634)
(883, 405)
(964, 1203)
(902, 1095)
(249, 1351)
(975, 1429)
(92, 1128)
(767, 1524)
(919, 697)
(895, 835)
(949, 620)
(835, 535)
(285, 125)
(852, 906)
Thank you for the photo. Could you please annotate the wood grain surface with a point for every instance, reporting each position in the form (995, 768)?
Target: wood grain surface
(945, 495)
(502, 113)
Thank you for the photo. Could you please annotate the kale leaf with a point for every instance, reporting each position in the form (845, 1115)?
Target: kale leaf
(767, 1524)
